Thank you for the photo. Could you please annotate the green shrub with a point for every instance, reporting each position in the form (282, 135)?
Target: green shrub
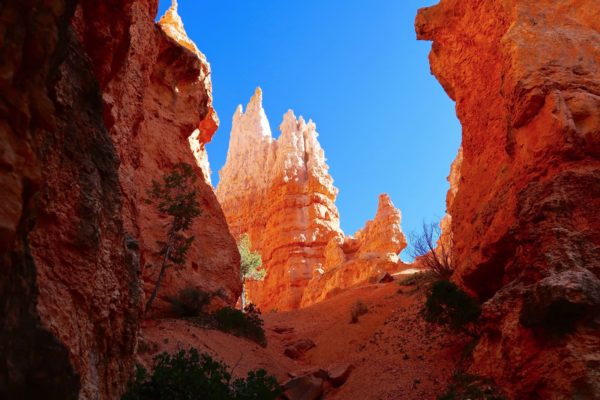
(250, 265)
(238, 323)
(473, 387)
(189, 302)
(447, 304)
(175, 199)
(197, 376)
(359, 308)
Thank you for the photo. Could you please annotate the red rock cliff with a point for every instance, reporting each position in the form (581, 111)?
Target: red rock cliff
(157, 105)
(525, 75)
(69, 280)
(281, 194)
(97, 100)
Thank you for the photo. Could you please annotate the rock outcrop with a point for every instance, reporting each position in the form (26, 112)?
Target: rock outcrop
(281, 194)
(97, 100)
(369, 254)
(69, 282)
(525, 76)
(157, 106)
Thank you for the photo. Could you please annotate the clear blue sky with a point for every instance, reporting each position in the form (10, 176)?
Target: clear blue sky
(354, 67)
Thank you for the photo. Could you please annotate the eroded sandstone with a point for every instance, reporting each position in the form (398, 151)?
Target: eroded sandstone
(525, 76)
(158, 107)
(370, 254)
(280, 192)
(98, 100)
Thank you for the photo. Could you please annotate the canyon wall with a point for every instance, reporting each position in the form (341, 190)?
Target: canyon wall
(97, 100)
(158, 105)
(281, 194)
(525, 75)
(69, 283)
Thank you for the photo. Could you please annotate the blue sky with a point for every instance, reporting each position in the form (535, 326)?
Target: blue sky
(354, 67)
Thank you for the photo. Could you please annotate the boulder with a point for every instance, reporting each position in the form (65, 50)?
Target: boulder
(297, 348)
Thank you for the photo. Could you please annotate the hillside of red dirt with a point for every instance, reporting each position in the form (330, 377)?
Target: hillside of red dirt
(394, 352)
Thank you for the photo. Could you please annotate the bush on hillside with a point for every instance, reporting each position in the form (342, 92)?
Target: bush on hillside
(434, 254)
(198, 376)
(189, 302)
(247, 324)
(448, 305)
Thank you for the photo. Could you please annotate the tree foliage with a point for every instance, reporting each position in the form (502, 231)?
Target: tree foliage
(250, 265)
(176, 199)
(251, 261)
(191, 375)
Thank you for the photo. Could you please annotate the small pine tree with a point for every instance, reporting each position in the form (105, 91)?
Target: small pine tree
(175, 198)
(250, 265)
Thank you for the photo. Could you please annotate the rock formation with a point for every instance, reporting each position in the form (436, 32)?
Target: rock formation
(97, 101)
(281, 194)
(525, 76)
(372, 251)
(157, 107)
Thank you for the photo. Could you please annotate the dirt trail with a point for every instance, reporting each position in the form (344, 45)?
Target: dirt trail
(395, 354)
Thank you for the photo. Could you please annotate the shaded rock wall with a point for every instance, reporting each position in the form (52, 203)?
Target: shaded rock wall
(97, 100)
(525, 76)
(69, 283)
(281, 194)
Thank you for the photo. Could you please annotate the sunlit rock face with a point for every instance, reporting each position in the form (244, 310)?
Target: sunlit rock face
(281, 194)
(158, 108)
(98, 100)
(525, 76)
(446, 241)
(372, 251)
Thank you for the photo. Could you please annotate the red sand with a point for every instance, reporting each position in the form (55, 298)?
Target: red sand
(396, 355)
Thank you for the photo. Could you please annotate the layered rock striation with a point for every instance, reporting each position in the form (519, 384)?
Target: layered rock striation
(525, 76)
(97, 100)
(279, 191)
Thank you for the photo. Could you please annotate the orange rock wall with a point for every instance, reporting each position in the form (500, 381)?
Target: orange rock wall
(158, 107)
(525, 75)
(97, 101)
(69, 278)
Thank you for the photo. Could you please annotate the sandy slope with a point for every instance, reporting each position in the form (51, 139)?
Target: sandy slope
(395, 354)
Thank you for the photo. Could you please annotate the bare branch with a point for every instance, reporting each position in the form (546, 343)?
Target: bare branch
(434, 253)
